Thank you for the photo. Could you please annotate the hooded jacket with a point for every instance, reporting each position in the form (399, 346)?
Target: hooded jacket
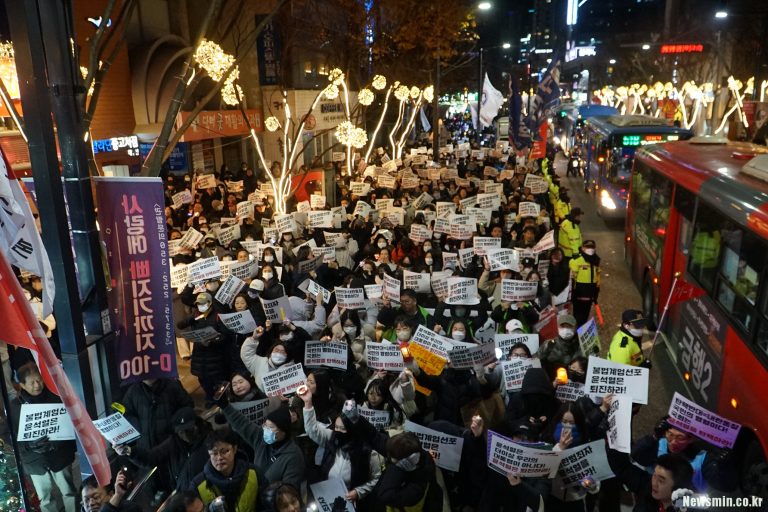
(150, 409)
(535, 399)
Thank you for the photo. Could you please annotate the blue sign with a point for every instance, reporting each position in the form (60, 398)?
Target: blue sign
(178, 159)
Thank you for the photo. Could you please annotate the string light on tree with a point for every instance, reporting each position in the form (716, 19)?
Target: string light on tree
(272, 123)
(365, 97)
(379, 82)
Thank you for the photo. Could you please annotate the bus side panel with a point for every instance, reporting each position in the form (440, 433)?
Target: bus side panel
(743, 379)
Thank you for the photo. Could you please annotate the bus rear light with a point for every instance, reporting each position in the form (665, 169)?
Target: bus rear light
(734, 403)
(661, 231)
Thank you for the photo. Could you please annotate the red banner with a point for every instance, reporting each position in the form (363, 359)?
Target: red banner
(210, 124)
(22, 329)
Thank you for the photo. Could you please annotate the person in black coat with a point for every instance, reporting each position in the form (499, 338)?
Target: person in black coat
(184, 453)
(48, 463)
(453, 389)
(536, 399)
(558, 273)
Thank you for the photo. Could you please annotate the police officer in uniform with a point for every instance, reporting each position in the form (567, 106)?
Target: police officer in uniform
(569, 234)
(585, 272)
(626, 345)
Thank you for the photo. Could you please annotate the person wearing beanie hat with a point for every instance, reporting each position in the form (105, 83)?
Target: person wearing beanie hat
(276, 454)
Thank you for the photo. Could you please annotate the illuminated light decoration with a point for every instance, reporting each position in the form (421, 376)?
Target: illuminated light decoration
(379, 82)
(415, 92)
(271, 123)
(763, 89)
(231, 92)
(429, 93)
(336, 76)
(8, 70)
(738, 107)
(365, 97)
(129, 143)
(343, 132)
(402, 92)
(682, 48)
(212, 58)
(331, 92)
(381, 120)
(408, 126)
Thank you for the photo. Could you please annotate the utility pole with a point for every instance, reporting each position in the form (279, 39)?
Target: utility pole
(436, 114)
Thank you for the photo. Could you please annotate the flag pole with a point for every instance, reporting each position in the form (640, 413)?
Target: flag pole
(663, 314)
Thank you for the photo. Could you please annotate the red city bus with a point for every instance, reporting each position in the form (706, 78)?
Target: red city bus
(701, 209)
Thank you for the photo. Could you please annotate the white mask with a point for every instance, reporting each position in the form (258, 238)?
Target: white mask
(589, 252)
(203, 307)
(269, 259)
(427, 248)
(636, 332)
(267, 275)
(350, 331)
(566, 333)
(404, 335)
(428, 261)
(458, 335)
(382, 244)
(278, 358)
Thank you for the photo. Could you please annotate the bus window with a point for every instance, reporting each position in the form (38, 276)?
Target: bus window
(738, 279)
(661, 197)
(684, 204)
(641, 191)
(705, 246)
(619, 166)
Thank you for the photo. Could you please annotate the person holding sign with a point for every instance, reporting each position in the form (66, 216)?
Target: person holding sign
(453, 389)
(347, 454)
(48, 463)
(585, 272)
(259, 365)
(393, 395)
(409, 311)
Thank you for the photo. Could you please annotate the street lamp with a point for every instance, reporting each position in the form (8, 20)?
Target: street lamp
(484, 6)
(612, 61)
(721, 13)
(646, 46)
(506, 46)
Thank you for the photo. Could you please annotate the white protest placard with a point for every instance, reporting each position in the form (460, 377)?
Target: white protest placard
(179, 275)
(228, 235)
(320, 219)
(241, 322)
(418, 281)
(528, 209)
(191, 238)
(461, 231)
(379, 419)
(514, 371)
(465, 256)
(395, 215)
(505, 342)
(423, 200)
(256, 411)
(205, 181)
(605, 377)
(580, 462)
(442, 225)
(267, 189)
(228, 221)
(257, 196)
(384, 356)
(391, 287)
(537, 184)
(480, 215)
(546, 243)
(513, 290)
(374, 291)
(241, 269)
(303, 207)
(503, 259)
(386, 181)
(350, 298)
(462, 290)
(384, 204)
(359, 189)
(116, 429)
(315, 289)
(174, 247)
(44, 420)
(506, 456)
(307, 266)
(489, 200)
(433, 342)
(331, 495)
(569, 392)
(277, 310)
(439, 280)
(468, 202)
(317, 201)
(362, 209)
(204, 269)
(702, 423)
(589, 340)
(445, 449)
(444, 209)
(338, 156)
(332, 354)
(327, 253)
(271, 234)
(471, 355)
(204, 335)
(419, 233)
(181, 198)
(620, 423)
(409, 182)
(234, 186)
(483, 243)
(229, 289)
(494, 188)
(284, 380)
(285, 223)
(489, 171)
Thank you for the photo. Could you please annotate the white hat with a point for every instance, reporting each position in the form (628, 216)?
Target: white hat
(257, 284)
(513, 325)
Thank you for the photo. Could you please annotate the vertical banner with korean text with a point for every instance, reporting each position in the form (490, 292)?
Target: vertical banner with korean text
(132, 219)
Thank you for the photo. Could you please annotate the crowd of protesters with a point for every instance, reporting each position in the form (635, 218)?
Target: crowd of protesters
(212, 454)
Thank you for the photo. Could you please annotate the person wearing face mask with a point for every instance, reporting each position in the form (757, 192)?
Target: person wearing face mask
(268, 257)
(585, 271)
(559, 351)
(368, 270)
(276, 454)
(210, 358)
(410, 314)
(347, 455)
(626, 345)
(309, 313)
(272, 286)
(569, 236)
(260, 355)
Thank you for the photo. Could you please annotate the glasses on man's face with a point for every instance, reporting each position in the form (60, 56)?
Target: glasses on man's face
(223, 452)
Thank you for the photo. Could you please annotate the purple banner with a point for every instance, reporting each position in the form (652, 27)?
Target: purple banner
(132, 220)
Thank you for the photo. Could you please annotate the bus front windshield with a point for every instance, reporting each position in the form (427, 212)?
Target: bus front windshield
(619, 168)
